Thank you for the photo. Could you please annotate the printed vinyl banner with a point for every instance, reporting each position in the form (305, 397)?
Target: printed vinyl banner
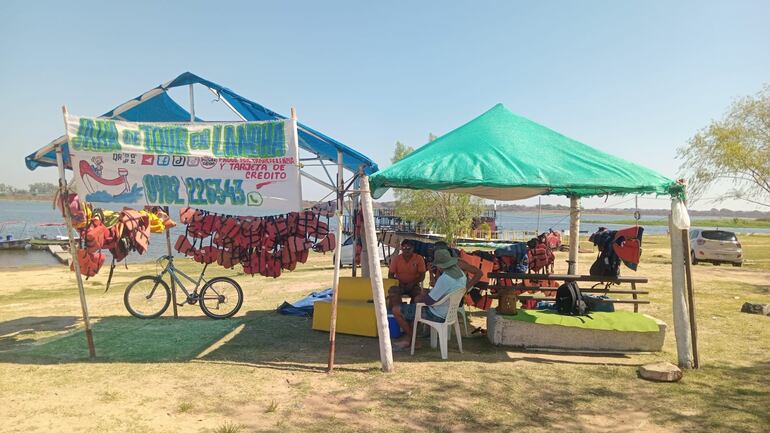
(249, 166)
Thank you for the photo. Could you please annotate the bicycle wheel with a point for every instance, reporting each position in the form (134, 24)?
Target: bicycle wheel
(147, 297)
(221, 298)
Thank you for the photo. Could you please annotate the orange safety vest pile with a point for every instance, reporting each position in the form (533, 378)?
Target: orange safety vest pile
(119, 232)
(262, 245)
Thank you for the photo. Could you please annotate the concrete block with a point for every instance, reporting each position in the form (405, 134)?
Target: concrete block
(515, 333)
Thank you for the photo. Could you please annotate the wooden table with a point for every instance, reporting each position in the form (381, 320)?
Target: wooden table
(607, 281)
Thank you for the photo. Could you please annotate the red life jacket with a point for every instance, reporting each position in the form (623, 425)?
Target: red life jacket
(137, 227)
(306, 223)
(207, 255)
(96, 235)
(90, 263)
(486, 266)
(184, 246)
(540, 258)
(272, 266)
(187, 215)
(250, 234)
(255, 264)
(328, 243)
(227, 258)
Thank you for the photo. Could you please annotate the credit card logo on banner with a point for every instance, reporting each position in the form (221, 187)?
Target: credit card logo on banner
(148, 159)
(164, 160)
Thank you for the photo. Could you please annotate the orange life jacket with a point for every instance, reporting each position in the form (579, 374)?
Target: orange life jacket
(90, 263)
(96, 235)
(540, 258)
(486, 266)
(328, 243)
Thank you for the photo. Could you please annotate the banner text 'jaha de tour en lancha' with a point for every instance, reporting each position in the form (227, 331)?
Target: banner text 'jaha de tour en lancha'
(249, 166)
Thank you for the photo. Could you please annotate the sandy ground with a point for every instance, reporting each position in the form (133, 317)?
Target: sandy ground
(246, 381)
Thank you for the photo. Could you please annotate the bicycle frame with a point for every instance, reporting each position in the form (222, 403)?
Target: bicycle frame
(175, 273)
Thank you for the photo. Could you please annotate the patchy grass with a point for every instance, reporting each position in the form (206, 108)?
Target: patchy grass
(229, 427)
(150, 375)
(185, 407)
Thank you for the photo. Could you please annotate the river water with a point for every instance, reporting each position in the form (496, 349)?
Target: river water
(33, 213)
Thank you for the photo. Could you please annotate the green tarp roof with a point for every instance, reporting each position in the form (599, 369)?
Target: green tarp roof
(502, 156)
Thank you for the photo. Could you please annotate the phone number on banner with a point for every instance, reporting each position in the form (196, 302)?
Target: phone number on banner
(160, 189)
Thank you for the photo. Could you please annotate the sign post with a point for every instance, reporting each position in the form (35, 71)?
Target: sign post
(64, 197)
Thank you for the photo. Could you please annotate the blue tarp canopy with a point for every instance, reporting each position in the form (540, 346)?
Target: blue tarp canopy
(156, 106)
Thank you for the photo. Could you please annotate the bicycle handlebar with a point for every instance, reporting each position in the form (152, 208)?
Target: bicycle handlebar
(167, 257)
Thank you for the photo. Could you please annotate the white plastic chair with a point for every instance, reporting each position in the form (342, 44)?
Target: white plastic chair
(461, 312)
(441, 329)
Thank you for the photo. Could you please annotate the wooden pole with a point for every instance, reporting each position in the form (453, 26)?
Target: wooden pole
(679, 304)
(173, 283)
(64, 195)
(690, 297)
(375, 276)
(337, 261)
(574, 235)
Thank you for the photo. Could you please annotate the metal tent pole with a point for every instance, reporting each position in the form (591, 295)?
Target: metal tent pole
(64, 196)
(337, 261)
(356, 200)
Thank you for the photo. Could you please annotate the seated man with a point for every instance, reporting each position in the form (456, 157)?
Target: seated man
(452, 278)
(409, 269)
(474, 272)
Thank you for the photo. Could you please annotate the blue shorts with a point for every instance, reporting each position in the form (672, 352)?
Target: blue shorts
(409, 310)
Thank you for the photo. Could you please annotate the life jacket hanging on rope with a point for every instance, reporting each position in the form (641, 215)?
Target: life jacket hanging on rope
(539, 256)
(627, 245)
(263, 245)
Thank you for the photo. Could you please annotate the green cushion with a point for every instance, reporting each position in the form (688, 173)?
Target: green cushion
(617, 321)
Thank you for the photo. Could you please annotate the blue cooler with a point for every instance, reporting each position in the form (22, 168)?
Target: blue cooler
(395, 330)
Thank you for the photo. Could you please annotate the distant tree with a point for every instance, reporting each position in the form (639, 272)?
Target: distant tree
(6, 189)
(735, 148)
(42, 188)
(450, 214)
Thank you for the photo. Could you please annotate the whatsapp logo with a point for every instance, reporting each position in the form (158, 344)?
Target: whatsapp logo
(254, 198)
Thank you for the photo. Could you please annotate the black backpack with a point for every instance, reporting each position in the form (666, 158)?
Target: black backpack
(606, 265)
(569, 300)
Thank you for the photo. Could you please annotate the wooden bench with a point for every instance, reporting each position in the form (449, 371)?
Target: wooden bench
(510, 290)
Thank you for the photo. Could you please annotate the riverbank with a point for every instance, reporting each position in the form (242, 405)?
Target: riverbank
(27, 197)
(742, 223)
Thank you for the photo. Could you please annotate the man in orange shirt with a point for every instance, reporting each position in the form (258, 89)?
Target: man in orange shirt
(409, 269)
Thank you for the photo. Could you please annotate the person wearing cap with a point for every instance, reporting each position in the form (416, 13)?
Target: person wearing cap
(409, 269)
(452, 278)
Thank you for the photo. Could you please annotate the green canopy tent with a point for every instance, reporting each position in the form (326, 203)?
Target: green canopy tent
(502, 156)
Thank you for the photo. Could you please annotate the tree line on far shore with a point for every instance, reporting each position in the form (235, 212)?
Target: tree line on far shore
(37, 189)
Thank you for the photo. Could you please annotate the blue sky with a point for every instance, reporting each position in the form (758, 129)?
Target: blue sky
(636, 79)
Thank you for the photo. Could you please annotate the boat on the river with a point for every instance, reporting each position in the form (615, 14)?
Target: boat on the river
(8, 241)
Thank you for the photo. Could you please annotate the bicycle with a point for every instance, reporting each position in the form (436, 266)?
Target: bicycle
(144, 301)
